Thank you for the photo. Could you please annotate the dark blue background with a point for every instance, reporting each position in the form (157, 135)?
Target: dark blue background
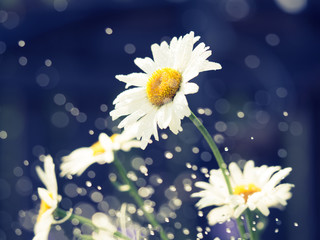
(263, 79)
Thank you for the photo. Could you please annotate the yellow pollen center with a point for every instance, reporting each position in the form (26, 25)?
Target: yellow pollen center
(246, 190)
(163, 85)
(113, 137)
(43, 208)
(97, 149)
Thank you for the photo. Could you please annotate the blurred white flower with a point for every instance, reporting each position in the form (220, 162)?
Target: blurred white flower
(108, 229)
(253, 188)
(100, 152)
(105, 230)
(159, 96)
(49, 199)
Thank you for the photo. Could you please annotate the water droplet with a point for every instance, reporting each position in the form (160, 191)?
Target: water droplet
(108, 31)
(168, 155)
(281, 92)
(18, 232)
(177, 149)
(200, 111)
(21, 43)
(186, 231)
(272, 39)
(164, 136)
(295, 224)
(195, 150)
(177, 225)
(129, 48)
(3, 134)
(276, 230)
(48, 62)
(240, 114)
(18, 171)
(23, 61)
(252, 61)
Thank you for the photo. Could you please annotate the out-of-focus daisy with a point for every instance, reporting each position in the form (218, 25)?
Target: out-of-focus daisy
(100, 152)
(49, 199)
(105, 230)
(108, 229)
(253, 188)
(159, 96)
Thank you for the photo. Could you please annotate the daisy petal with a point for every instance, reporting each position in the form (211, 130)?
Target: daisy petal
(133, 79)
(219, 215)
(146, 65)
(190, 88)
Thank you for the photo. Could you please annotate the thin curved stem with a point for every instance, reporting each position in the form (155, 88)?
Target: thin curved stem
(213, 148)
(134, 193)
(219, 160)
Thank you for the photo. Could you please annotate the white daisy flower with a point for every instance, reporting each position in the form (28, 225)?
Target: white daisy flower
(253, 188)
(100, 152)
(159, 96)
(49, 199)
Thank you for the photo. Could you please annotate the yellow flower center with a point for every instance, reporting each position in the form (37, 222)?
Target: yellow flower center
(113, 137)
(246, 190)
(163, 85)
(97, 147)
(43, 208)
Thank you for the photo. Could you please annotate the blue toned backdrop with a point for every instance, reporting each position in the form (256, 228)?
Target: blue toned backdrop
(58, 60)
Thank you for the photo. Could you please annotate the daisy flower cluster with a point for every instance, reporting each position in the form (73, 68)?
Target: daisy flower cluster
(75, 164)
(253, 188)
(156, 98)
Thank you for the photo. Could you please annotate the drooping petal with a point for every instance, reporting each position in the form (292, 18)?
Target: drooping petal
(133, 79)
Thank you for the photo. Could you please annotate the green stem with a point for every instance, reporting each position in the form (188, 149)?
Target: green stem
(241, 229)
(219, 159)
(248, 217)
(214, 149)
(85, 237)
(134, 193)
(62, 213)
